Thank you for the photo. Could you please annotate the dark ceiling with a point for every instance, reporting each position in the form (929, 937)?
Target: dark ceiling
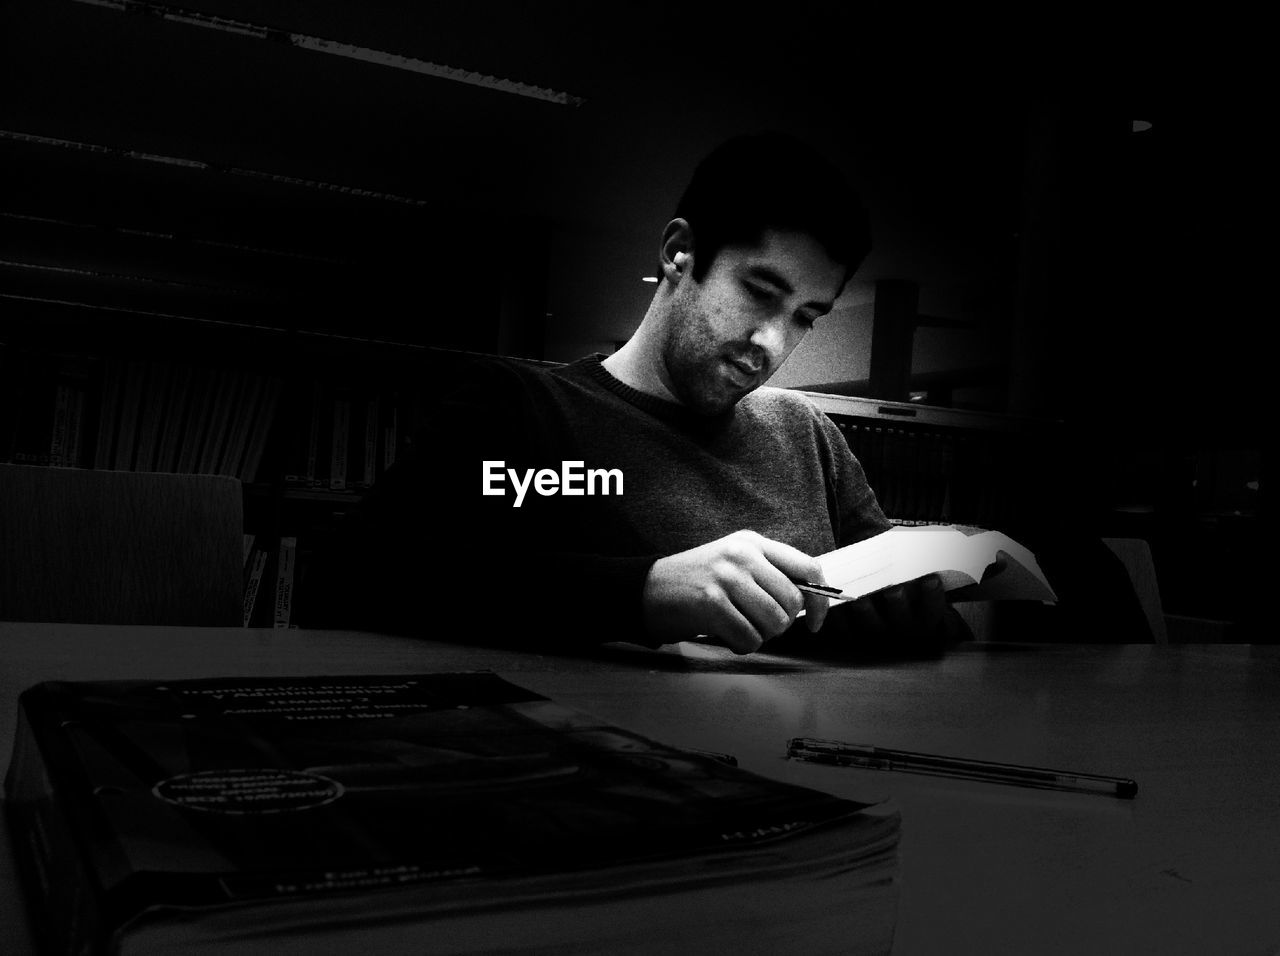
(198, 160)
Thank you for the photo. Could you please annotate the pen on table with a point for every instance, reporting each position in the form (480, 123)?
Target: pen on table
(727, 759)
(879, 758)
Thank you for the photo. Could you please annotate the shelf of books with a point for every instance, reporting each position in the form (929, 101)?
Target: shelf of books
(306, 423)
(941, 465)
(87, 411)
(338, 428)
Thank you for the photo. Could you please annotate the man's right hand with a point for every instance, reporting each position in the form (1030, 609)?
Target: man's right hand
(736, 589)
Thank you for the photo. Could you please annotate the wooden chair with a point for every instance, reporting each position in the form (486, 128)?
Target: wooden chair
(114, 547)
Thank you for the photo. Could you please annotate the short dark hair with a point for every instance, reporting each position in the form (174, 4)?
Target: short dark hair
(770, 180)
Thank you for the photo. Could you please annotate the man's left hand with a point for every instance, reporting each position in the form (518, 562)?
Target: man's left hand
(912, 618)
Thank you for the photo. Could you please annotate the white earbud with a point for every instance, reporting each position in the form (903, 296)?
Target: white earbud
(680, 259)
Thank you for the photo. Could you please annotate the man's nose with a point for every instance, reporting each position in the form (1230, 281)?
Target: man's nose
(770, 336)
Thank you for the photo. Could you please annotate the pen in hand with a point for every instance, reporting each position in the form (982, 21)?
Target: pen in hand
(823, 590)
(878, 758)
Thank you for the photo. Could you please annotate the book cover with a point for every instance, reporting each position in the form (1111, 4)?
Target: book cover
(243, 412)
(369, 464)
(412, 813)
(341, 443)
(74, 455)
(175, 419)
(390, 435)
(203, 390)
(263, 425)
(62, 400)
(42, 402)
(154, 402)
(298, 434)
(108, 415)
(231, 386)
(285, 573)
(29, 407)
(136, 373)
(255, 568)
(317, 426)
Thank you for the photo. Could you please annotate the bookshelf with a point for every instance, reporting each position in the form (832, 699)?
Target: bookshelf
(930, 464)
(129, 388)
(164, 315)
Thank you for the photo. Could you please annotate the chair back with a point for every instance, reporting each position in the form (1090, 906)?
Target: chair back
(115, 547)
(1135, 555)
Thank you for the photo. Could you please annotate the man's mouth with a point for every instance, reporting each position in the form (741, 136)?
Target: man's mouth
(743, 372)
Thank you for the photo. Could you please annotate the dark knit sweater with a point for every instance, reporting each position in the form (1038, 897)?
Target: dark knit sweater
(572, 568)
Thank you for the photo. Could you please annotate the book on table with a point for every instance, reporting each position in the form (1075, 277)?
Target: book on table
(973, 563)
(442, 813)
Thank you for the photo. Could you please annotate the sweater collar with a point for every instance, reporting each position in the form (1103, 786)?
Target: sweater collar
(592, 366)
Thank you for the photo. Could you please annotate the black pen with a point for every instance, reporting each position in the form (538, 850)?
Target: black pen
(727, 759)
(824, 590)
(879, 758)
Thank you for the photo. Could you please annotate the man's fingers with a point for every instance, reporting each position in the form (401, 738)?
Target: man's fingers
(758, 605)
(915, 610)
(894, 607)
(815, 610)
(733, 629)
(790, 561)
(740, 589)
(866, 620)
(791, 564)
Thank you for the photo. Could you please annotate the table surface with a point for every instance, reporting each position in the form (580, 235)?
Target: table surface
(1192, 865)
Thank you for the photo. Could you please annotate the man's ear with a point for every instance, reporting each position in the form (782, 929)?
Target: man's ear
(677, 250)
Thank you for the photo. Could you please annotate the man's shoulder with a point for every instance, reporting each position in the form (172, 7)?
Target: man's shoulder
(788, 416)
(497, 377)
(782, 404)
(541, 373)
(507, 367)
(532, 389)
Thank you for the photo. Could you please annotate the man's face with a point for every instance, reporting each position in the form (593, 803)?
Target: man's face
(727, 334)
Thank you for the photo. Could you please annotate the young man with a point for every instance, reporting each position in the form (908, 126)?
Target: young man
(700, 497)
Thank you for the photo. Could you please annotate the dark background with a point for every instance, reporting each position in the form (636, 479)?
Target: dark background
(178, 185)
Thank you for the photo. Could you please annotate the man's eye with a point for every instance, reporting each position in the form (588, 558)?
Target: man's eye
(758, 293)
(805, 321)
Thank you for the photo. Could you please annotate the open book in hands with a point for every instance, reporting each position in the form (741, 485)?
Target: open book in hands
(973, 564)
